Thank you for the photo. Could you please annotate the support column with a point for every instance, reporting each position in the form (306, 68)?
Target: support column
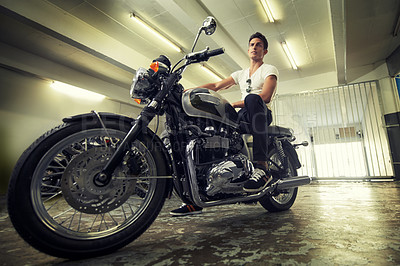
(393, 130)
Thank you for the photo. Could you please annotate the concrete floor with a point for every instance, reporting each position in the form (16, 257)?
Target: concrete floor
(345, 223)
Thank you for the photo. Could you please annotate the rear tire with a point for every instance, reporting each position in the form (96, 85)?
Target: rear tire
(62, 222)
(279, 200)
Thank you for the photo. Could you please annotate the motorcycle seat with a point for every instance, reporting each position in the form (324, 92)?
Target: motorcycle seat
(279, 131)
(274, 131)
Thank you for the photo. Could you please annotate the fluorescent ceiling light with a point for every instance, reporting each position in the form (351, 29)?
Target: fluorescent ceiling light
(76, 91)
(155, 33)
(267, 10)
(210, 72)
(289, 55)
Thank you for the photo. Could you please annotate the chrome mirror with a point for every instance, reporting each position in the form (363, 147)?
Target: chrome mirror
(209, 25)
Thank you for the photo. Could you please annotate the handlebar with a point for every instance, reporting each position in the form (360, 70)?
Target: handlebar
(216, 52)
(204, 55)
(197, 57)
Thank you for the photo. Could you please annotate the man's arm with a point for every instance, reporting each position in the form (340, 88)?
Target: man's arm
(268, 88)
(220, 85)
(266, 92)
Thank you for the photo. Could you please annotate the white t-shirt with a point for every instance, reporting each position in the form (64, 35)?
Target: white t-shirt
(256, 81)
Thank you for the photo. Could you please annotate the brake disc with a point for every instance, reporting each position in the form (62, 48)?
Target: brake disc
(84, 193)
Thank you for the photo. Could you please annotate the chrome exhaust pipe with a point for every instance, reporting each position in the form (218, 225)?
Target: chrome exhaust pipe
(293, 182)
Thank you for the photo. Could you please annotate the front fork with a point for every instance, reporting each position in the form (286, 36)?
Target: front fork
(141, 123)
(143, 120)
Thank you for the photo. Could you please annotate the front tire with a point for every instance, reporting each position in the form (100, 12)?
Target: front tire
(67, 214)
(284, 199)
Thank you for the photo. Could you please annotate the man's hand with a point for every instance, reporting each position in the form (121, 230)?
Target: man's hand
(239, 104)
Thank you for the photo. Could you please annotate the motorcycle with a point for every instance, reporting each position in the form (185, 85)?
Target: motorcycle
(96, 182)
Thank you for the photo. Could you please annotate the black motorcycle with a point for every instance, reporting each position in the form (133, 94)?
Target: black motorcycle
(97, 182)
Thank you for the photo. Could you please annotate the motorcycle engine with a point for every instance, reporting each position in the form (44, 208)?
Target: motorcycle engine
(221, 167)
(229, 175)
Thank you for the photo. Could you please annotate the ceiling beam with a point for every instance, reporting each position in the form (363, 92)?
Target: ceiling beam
(64, 24)
(338, 22)
(64, 39)
(192, 13)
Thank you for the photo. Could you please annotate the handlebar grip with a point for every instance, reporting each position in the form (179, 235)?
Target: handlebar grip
(216, 52)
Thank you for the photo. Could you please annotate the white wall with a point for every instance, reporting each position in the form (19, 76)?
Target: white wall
(321, 81)
(389, 96)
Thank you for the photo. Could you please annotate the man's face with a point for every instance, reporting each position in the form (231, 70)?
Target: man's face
(256, 49)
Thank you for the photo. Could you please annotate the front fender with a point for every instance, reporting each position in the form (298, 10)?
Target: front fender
(125, 123)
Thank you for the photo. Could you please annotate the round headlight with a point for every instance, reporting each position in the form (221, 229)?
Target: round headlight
(141, 86)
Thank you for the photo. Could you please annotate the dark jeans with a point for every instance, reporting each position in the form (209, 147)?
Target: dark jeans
(256, 113)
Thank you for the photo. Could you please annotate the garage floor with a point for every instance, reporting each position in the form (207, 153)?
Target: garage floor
(346, 223)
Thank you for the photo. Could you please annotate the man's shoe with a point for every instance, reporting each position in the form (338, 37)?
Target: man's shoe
(186, 209)
(258, 181)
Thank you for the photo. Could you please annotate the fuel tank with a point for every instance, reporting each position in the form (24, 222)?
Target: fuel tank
(206, 103)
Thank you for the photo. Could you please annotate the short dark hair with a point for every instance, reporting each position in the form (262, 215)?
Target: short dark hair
(261, 37)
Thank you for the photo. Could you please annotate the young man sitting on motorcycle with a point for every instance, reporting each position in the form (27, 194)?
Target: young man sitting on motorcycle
(258, 86)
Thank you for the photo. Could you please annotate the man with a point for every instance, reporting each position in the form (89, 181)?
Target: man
(257, 85)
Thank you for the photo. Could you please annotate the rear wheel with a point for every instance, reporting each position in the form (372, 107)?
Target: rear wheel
(58, 204)
(280, 200)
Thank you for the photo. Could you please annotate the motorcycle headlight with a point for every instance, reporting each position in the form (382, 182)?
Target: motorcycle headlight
(141, 88)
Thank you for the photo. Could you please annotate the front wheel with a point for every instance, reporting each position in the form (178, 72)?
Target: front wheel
(57, 204)
(281, 200)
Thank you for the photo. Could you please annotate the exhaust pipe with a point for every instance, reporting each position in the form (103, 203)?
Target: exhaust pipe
(293, 182)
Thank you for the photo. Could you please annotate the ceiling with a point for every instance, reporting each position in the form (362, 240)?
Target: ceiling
(345, 38)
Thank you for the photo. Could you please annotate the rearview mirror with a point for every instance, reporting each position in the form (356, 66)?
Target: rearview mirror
(209, 25)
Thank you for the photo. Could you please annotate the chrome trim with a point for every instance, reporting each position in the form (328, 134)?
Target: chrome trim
(291, 182)
(195, 188)
(280, 184)
(153, 104)
(142, 177)
(102, 123)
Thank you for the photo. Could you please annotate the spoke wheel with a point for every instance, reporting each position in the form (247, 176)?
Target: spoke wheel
(61, 205)
(79, 207)
(283, 199)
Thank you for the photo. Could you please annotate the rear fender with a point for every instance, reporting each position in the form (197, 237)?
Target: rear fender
(291, 153)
